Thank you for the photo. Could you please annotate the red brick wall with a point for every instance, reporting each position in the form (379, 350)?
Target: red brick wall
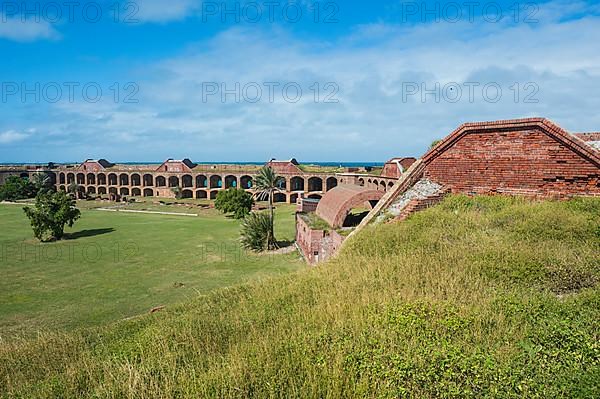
(307, 205)
(514, 162)
(316, 245)
(309, 241)
(390, 169)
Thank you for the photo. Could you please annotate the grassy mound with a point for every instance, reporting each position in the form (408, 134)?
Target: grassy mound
(483, 297)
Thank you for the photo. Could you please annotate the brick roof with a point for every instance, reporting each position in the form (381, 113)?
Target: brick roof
(95, 164)
(335, 205)
(285, 167)
(176, 165)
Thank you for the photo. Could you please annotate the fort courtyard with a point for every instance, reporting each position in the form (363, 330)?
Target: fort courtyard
(153, 262)
(299, 199)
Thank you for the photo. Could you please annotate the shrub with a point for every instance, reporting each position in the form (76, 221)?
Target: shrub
(256, 229)
(51, 213)
(235, 201)
(16, 188)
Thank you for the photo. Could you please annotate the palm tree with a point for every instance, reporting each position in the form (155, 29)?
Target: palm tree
(266, 185)
(76, 190)
(41, 181)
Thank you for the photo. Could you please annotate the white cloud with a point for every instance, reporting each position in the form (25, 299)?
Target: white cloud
(11, 136)
(371, 122)
(27, 30)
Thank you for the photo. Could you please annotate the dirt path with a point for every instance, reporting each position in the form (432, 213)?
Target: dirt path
(147, 212)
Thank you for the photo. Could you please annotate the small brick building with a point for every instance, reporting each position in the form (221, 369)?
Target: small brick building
(318, 243)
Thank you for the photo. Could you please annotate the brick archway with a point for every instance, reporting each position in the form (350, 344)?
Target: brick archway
(338, 202)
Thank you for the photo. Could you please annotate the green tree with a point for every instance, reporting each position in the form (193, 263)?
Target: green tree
(16, 188)
(52, 211)
(236, 201)
(266, 185)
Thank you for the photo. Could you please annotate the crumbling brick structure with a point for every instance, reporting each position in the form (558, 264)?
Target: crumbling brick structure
(530, 156)
(318, 244)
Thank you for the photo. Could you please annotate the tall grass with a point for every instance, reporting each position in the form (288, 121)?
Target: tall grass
(477, 297)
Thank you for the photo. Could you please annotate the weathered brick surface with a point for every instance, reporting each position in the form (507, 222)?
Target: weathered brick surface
(307, 205)
(391, 169)
(419, 204)
(334, 206)
(316, 245)
(530, 157)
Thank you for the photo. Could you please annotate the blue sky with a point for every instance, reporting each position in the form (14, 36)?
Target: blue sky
(377, 78)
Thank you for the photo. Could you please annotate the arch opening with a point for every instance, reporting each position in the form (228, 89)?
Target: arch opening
(148, 180)
(123, 180)
(332, 183)
(297, 183)
(216, 182)
(246, 182)
(230, 181)
(187, 181)
(201, 181)
(315, 184)
(136, 180)
(173, 181)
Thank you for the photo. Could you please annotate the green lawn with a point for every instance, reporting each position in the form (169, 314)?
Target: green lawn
(119, 265)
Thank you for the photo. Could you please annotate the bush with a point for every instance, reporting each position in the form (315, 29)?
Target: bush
(51, 213)
(235, 201)
(256, 229)
(16, 188)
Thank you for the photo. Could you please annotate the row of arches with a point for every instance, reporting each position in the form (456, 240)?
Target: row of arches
(198, 194)
(149, 180)
(295, 183)
(376, 184)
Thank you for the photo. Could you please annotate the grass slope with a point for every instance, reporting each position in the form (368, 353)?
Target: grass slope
(118, 265)
(484, 297)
